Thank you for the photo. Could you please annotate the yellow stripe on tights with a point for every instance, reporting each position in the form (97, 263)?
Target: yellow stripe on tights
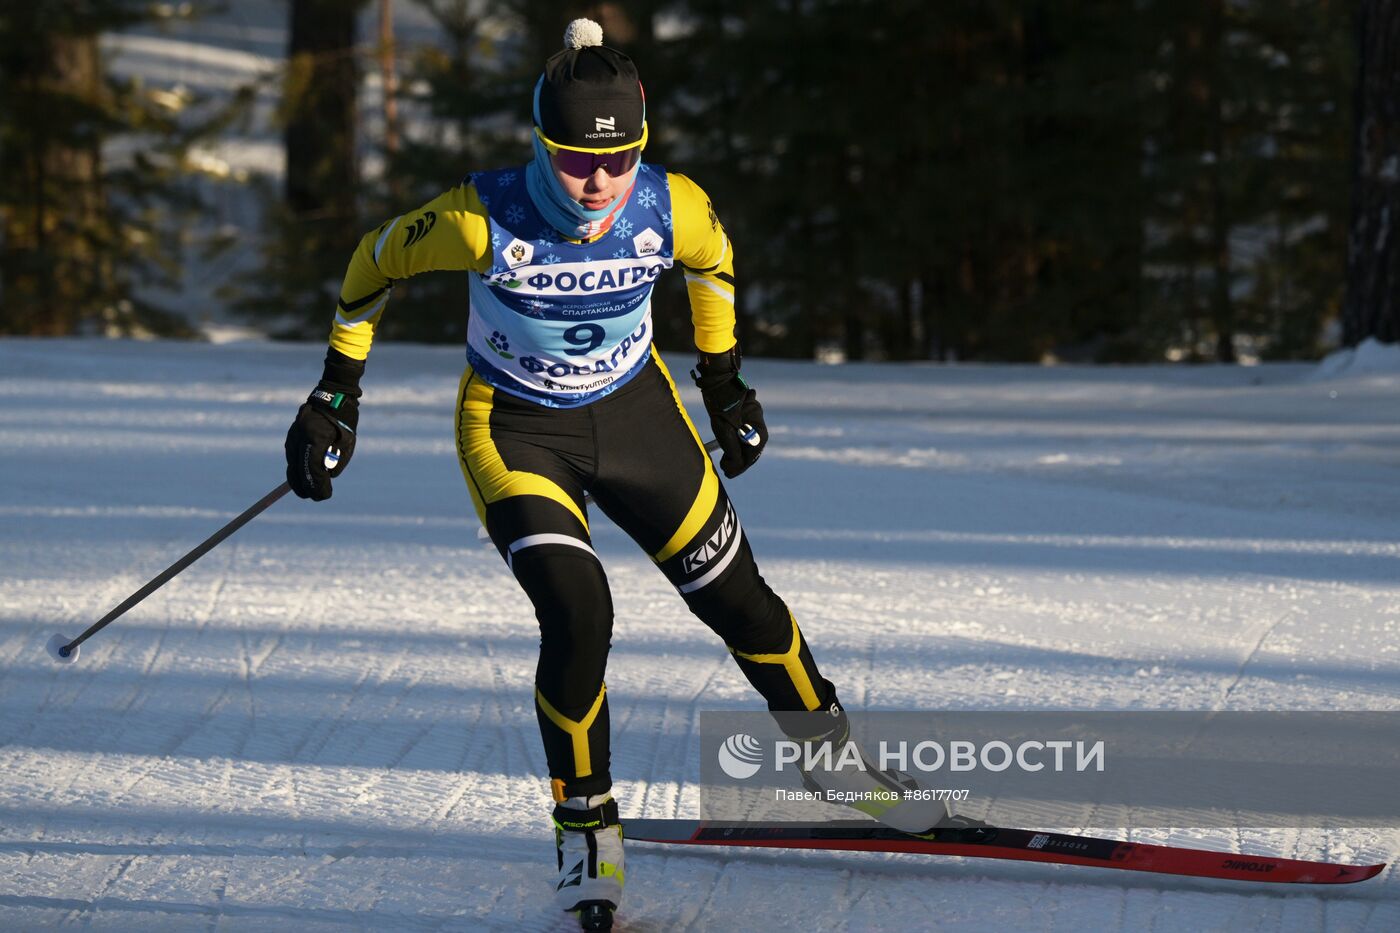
(704, 504)
(576, 731)
(792, 663)
(487, 475)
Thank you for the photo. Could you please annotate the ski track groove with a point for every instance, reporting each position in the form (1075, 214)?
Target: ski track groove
(378, 777)
(703, 910)
(162, 757)
(847, 885)
(220, 888)
(302, 605)
(325, 732)
(72, 779)
(722, 661)
(445, 810)
(658, 737)
(381, 678)
(463, 786)
(1224, 698)
(419, 734)
(487, 911)
(31, 853)
(1121, 913)
(203, 719)
(251, 666)
(851, 907)
(138, 687)
(107, 649)
(1152, 913)
(474, 741)
(498, 692)
(278, 640)
(109, 881)
(871, 649)
(217, 591)
(56, 681)
(661, 724)
(251, 724)
(678, 786)
(226, 779)
(529, 752)
(471, 730)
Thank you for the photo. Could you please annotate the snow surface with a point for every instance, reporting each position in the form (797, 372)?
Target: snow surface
(327, 722)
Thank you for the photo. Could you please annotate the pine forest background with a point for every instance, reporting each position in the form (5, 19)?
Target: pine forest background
(1080, 180)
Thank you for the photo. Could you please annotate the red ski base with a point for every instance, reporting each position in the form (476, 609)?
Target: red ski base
(1016, 844)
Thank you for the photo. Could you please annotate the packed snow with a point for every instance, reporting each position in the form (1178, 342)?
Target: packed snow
(327, 722)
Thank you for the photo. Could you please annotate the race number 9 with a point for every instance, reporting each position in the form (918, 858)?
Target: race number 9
(586, 337)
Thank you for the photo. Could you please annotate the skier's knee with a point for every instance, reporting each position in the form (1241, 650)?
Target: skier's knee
(570, 596)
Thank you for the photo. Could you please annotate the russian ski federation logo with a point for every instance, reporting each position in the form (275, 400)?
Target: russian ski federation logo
(647, 243)
(1038, 841)
(518, 253)
(740, 756)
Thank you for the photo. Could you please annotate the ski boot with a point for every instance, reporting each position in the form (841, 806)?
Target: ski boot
(890, 796)
(588, 843)
(899, 806)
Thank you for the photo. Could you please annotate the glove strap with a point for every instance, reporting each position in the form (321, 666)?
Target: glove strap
(728, 361)
(327, 396)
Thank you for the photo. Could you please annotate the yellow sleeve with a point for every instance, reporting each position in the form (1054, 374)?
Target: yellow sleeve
(703, 250)
(450, 232)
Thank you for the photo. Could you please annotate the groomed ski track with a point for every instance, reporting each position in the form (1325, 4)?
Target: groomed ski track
(326, 723)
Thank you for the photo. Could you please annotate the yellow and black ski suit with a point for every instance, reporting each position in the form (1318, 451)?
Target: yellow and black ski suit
(528, 459)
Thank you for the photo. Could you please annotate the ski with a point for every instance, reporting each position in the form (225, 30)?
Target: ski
(1001, 843)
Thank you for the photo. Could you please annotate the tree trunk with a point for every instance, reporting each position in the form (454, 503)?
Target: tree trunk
(53, 278)
(933, 299)
(389, 82)
(322, 80)
(853, 332)
(1372, 307)
(1222, 309)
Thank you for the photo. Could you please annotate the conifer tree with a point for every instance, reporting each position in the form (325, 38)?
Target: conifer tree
(313, 227)
(81, 229)
(1373, 252)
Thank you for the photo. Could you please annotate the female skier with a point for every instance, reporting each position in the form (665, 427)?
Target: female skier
(564, 393)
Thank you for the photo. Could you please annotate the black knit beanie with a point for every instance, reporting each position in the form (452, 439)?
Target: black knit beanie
(589, 96)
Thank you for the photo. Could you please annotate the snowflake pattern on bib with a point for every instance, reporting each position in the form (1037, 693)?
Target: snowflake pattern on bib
(560, 322)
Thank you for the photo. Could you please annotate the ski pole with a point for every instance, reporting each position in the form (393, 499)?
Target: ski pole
(66, 652)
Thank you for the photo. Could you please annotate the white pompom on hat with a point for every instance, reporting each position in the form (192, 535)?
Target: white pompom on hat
(582, 33)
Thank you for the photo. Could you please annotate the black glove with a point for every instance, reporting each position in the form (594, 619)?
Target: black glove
(322, 438)
(735, 415)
